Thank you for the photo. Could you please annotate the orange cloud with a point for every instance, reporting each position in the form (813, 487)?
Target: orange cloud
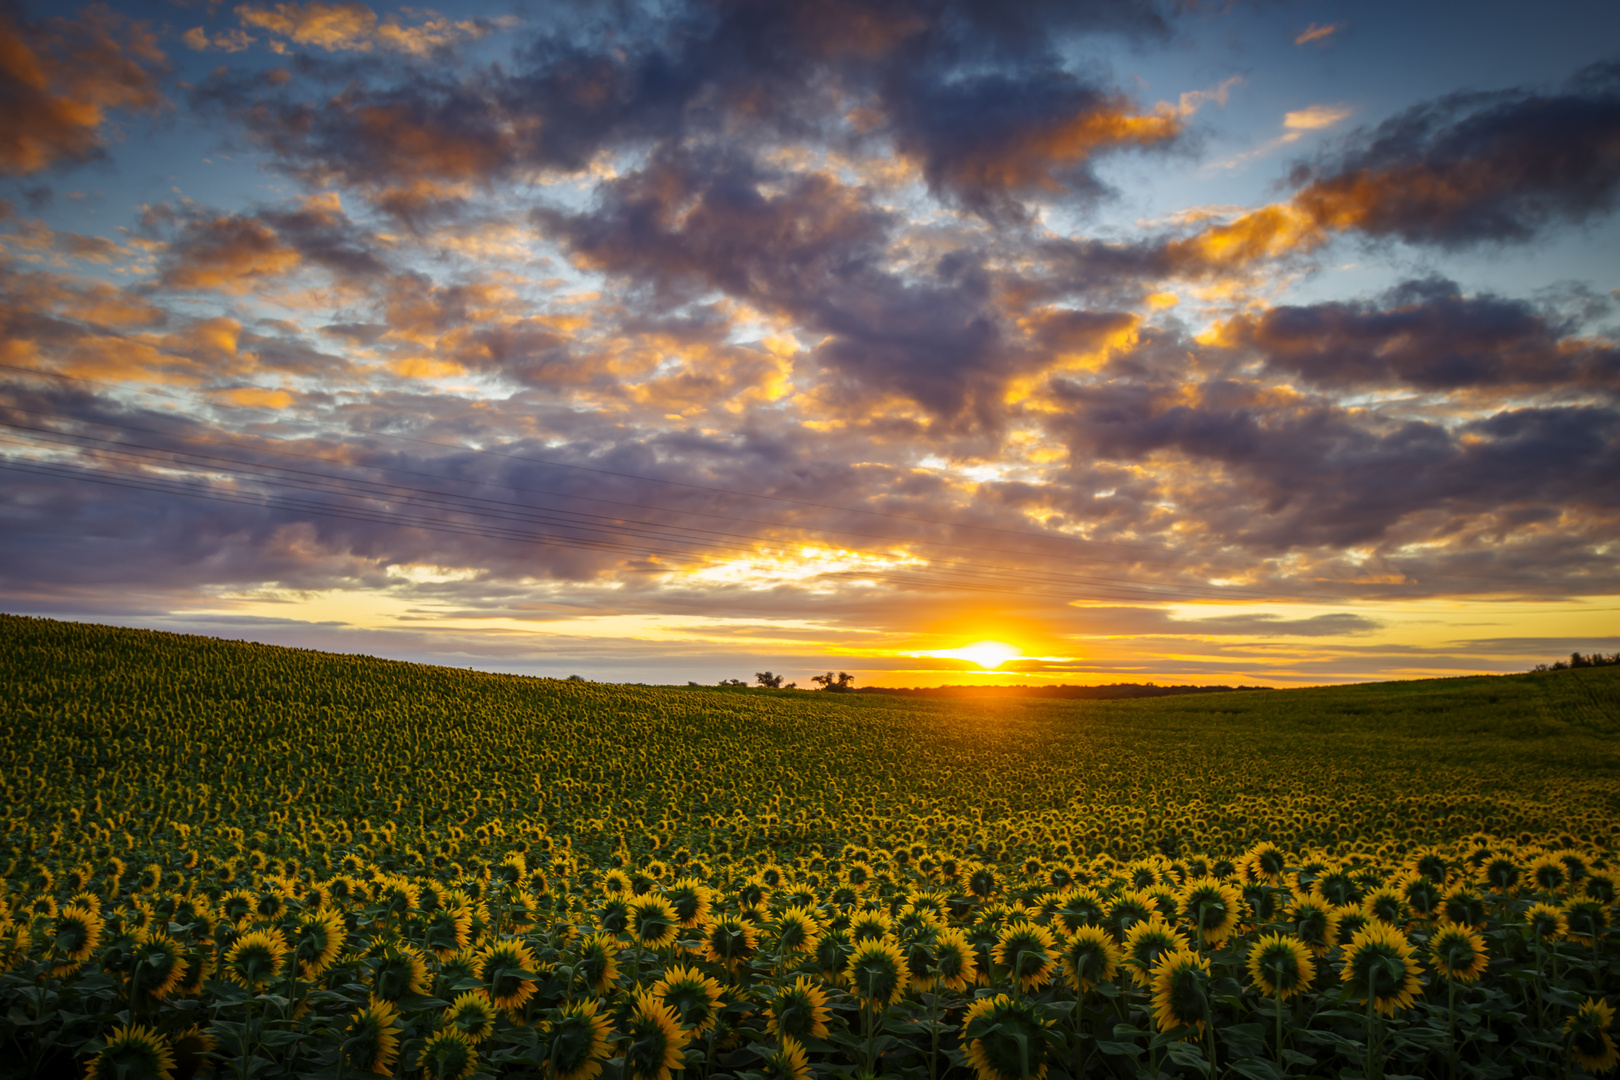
(1314, 32)
(227, 254)
(60, 78)
(354, 27)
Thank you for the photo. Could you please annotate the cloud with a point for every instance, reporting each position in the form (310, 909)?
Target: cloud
(1314, 32)
(1315, 117)
(352, 26)
(60, 79)
(1476, 168)
(1430, 336)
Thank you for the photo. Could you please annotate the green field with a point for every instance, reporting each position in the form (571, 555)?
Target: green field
(182, 804)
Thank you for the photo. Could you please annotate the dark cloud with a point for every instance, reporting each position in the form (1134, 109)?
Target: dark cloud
(1477, 167)
(975, 93)
(1428, 335)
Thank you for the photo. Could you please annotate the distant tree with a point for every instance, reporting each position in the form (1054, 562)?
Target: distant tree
(842, 683)
(791, 686)
(575, 678)
(732, 682)
(768, 680)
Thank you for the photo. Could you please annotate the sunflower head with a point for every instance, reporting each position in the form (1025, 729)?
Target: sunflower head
(692, 901)
(800, 1011)
(730, 941)
(1545, 923)
(787, 1062)
(1379, 964)
(448, 1055)
(831, 954)
(371, 1042)
(506, 969)
(878, 973)
(255, 958)
(1280, 967)
(157, 965)
(597, 966)
(1079, 907)
(1029, 954)
(1588, 921)
(693, 997)
(1464, 906)
(132, 1052)
(869, 925)
(1547, 874)
(1147, 943)
(1006, 1039)
(1457, 952)
(1181, 992)
(579, 1042)
(796, 930)
(1313, 921)
(654, 1040)
(1387, 904)
(1590, 1042)
(653, 922)
(77, 933)
(472, 1016)
(398, 972)
(1090, 958)
(1213, 907)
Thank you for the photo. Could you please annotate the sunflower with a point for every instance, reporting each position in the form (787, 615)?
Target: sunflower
(693, 996)
(1079, 907)
(869, 925)
(579, 1042)
(1090, 958)
(1313, 921)
(954, 960)
(77, 933)
(1181, 992)
(1146, 943)
(616, 882)
(1006, 1039)
(1420, 892)
(1338, 887)
(1347, 922)
(506, 968)
(1600, 886)
(598, 965)
(655, 1040)
(653, 923)
(787, 1062)
(730, 941)
(1548, 874)
(1590, 1041)
(448, 1055)
(1502, 875)
(1127, 910)
(1280, 966)
(1588, 921)
(14, 941)
(1457, 952)
(614, 914)
(238, 907)
(878, 972)
(1028, 952)
(796, 930)
(1264, 864)
(133, 1052)
(799, 1011)
(317, 938)
(1387, 904)
(447, 930)
(1546, 923)
(157, 965)
(1379, 963)
(1464, 906)
(398, 972)
(472, 1016)
(255, 958)
(370, 1043)
(190, 1045)
(1213, 907)
(691, 900)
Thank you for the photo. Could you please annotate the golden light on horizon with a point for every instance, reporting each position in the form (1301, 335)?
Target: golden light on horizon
(987, 654)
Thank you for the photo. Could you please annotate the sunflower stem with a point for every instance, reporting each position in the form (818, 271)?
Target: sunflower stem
(1276, 972)
(1451, 1022)
(1372, 979)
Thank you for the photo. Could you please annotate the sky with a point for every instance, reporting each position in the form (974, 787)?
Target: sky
(934, 341)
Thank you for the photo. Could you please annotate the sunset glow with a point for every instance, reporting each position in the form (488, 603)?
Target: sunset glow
(681, 342)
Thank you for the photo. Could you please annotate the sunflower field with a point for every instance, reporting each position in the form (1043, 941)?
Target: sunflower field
(231, 860)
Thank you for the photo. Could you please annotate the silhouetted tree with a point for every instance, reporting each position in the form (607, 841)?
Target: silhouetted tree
(842, 683)
(769, 680)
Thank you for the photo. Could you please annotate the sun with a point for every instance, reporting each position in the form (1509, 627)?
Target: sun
(987, 654)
